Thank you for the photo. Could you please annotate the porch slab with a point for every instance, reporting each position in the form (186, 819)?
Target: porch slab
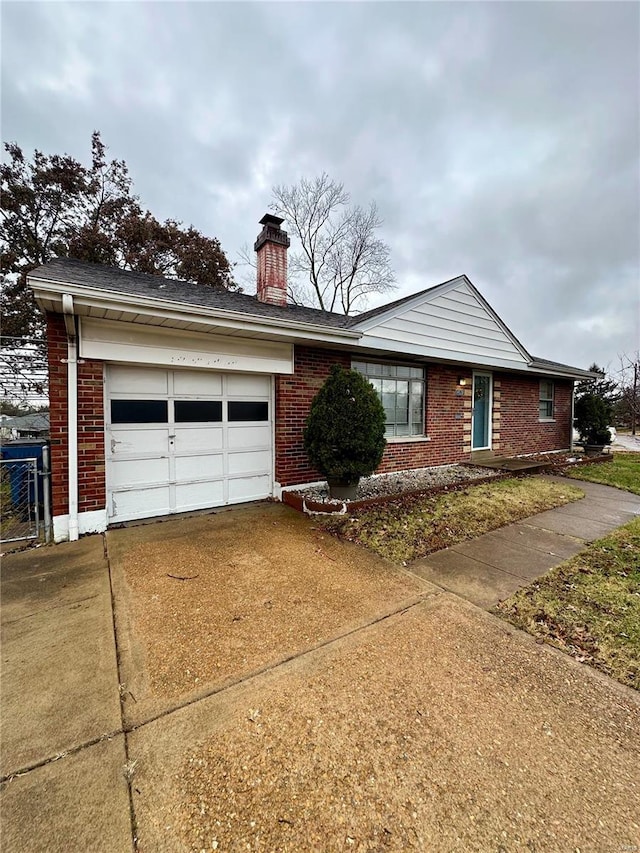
(507, 463)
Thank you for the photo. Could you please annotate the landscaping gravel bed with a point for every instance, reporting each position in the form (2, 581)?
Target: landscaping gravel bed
(406, 481)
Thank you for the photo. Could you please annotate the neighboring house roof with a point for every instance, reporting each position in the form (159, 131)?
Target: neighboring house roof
(37, 422)
(448, 322)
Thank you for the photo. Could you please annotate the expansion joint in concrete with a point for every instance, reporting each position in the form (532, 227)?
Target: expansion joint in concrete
(129, 768)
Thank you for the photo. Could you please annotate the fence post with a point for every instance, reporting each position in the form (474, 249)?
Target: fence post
(46, 486)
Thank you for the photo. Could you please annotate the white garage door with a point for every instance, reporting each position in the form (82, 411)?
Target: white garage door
(179, 440)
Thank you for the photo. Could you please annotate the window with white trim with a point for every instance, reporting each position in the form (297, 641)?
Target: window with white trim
(545, 405)
(401, 389)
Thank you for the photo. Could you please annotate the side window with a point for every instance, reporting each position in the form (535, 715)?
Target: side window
(545, 406)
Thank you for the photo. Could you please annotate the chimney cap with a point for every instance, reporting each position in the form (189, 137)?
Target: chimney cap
(270, 219)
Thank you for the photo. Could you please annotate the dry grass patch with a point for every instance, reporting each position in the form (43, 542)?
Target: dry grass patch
(589, 606)
(413, 527)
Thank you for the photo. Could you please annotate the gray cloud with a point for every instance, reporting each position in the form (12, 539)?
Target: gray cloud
(499, 139)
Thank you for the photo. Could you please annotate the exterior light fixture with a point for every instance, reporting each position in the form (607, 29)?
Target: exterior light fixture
(462, 380)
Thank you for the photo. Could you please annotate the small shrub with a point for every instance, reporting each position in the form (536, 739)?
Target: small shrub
(344, 432)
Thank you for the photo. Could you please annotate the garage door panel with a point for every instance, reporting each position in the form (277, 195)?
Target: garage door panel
(249, 462)
(196, 439)
(245, 437)
(141, 380)
(144, 472)
(199, 495)
(199, 467)
(141, 503)
(196, 382)
(139, 442)
(249, 488)
(240, 385)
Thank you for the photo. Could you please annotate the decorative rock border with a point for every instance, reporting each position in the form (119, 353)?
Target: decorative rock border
(299, 502)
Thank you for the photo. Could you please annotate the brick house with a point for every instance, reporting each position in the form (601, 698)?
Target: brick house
(167, 397)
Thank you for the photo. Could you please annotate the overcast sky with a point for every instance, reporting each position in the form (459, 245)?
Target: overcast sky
(500, 140)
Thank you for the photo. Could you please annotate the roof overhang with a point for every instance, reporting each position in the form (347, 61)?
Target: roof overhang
(145, 310)
(102, 304)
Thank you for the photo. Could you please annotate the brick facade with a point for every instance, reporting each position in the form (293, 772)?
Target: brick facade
(516, 427)
(91, 466)
(516, 421)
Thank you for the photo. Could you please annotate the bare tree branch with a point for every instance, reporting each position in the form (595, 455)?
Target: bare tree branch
(340, 260)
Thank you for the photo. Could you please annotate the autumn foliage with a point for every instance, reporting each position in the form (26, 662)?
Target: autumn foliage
(54, 206)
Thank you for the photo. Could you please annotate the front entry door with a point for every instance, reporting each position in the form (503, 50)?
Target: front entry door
(481, 421)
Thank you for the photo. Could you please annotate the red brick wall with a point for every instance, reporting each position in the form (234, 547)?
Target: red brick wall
(91, 475)
(293, 398)
(518, 425)
(448, 417)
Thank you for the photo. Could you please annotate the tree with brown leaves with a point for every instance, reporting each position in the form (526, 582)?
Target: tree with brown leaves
(54, 206)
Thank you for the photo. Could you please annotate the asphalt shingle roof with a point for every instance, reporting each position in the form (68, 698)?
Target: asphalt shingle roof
(102, 277)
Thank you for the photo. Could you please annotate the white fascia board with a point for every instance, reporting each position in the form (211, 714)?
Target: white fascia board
(568, 373)
(113, 340)
(434, 293)
(87, 297)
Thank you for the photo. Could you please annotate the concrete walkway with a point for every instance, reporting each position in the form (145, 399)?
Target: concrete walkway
(494, 566)
(63, 751)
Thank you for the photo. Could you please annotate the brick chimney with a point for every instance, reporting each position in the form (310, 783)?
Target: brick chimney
(271, 246)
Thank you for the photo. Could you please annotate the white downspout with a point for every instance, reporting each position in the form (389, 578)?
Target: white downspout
(72, 412)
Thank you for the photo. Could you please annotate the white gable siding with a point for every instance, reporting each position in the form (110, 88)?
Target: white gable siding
(454, 325)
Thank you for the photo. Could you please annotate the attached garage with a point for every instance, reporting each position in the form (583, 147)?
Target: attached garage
(180, 440)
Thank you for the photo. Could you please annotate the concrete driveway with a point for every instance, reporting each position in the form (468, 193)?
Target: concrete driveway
(341, 704)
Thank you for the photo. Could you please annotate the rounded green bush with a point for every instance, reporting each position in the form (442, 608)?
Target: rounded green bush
(344, 432)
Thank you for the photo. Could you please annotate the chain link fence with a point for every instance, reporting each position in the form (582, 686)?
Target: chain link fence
(24, 499)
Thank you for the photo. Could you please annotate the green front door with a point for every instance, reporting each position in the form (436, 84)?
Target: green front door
(481, 426)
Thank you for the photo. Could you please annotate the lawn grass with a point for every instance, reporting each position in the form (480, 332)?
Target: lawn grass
(412, 527)
(589, 606)
(623, 472)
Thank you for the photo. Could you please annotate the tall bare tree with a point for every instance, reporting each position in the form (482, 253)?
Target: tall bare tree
(340, 260)
(627, 409)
